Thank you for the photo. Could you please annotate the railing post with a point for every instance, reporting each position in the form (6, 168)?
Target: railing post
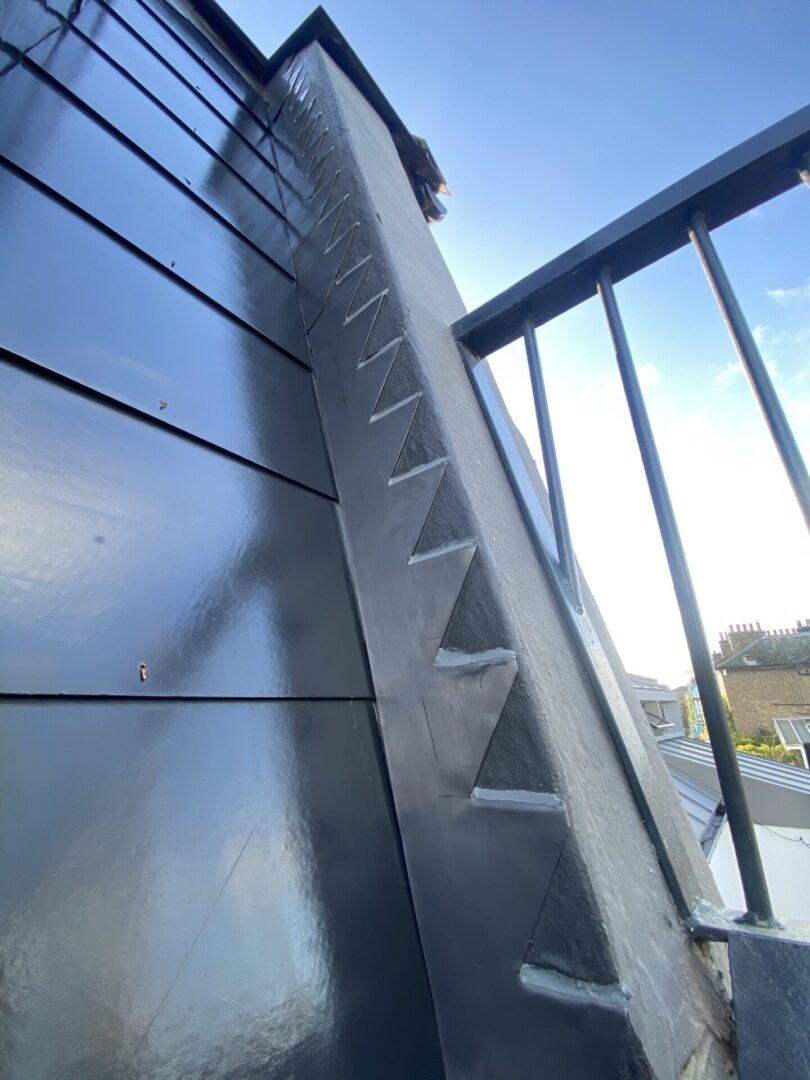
(728, 770)
(753, 363)
(559, 516)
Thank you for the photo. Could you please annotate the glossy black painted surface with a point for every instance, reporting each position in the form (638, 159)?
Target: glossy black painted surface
(113, 38)
(482, 861)
(23, 24)
(192, 884)
(146, 340)
(204, 890)
(74, 156)
(210, 57)
(126, 545)
(188, 68)
(87, 73)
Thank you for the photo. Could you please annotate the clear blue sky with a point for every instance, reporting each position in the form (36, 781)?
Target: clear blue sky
(549, 120)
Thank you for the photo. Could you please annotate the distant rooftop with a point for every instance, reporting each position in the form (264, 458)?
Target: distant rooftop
(770, 651)
(642, 682)
(703, 807)
(755, 768)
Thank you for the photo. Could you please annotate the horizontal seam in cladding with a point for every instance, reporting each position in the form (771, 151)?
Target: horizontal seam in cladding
(143, 89)
(158, 698)
(204, 64)
(17, 54)
(197, 93)
(45, 76)
(138, 413)
(40, 185)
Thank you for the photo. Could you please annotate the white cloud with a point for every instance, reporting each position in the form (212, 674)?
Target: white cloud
(729, 374)
(785, 296)
(759, 332)
(731, 371)
(649, 376)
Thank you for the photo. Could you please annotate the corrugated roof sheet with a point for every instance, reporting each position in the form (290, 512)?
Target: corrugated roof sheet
(703, 808)
(755, 768)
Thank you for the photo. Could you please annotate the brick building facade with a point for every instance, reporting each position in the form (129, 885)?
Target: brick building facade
(765, 675)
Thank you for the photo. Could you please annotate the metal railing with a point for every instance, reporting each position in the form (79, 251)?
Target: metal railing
(757, 170)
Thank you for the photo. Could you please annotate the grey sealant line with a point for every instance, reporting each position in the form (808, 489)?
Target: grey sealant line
(752, 362)
(559, 516)
(728, 771)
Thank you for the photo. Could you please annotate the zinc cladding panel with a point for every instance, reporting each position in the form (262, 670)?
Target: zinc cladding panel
(234, 580)
(97, 83)
(94, 311)
(112, 37)
(23, 24)
(204, 889)
(125, 544)
(190, 887)
(189, 68)
(209, 56)
(74, 156)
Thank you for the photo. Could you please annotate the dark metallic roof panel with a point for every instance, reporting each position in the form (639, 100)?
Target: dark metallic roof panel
(189, 68)
(23, 24)
(126, 545)
(131, 198)
(142, 338)
(113, 38)
(208, 54)
(205, 889)
(89, 75)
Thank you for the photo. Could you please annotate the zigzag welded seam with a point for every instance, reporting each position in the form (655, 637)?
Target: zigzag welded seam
(305, 119)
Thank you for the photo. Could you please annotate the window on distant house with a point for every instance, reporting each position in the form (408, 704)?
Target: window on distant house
(793, 731)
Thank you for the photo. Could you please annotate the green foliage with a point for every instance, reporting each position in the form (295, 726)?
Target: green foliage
(767, 746)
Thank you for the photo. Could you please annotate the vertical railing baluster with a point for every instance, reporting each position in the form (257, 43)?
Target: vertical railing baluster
(728, 771)
(753, 363)
(559, 517)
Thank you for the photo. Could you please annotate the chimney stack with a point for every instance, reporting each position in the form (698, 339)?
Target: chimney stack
(740, 636)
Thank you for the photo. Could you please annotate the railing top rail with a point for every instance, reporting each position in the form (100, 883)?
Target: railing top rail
(750, 174)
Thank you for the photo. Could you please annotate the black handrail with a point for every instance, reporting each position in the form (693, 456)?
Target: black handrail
(752, 173)
(755, 171)
(752, 874)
